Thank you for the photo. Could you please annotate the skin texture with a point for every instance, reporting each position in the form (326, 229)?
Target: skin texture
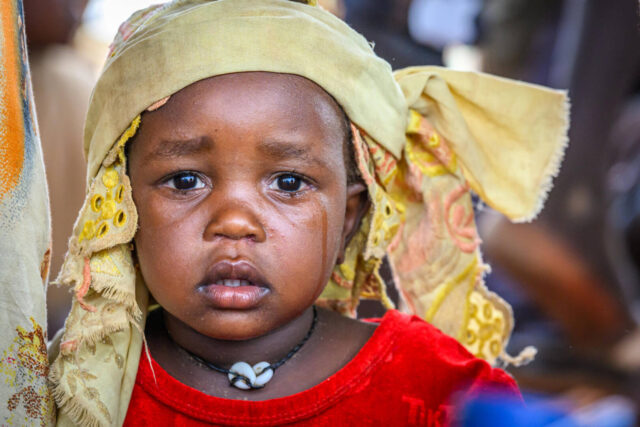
(243, 177)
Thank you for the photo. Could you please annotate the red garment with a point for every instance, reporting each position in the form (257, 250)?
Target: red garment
(404, 375)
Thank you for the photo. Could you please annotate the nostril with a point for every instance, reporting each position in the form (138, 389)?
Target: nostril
(235, 224)
(236, 236)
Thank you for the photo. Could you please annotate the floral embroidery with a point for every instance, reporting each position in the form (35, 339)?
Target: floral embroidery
(427, 150)
(25, 367)
(460, 219)
(421, 244)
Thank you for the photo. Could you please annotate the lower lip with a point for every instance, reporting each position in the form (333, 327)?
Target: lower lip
(238, 298)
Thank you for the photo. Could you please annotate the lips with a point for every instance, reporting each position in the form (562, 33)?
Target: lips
(234, 286)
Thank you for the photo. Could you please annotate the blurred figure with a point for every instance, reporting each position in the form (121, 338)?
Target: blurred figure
(573, 223)
(573, 263)
(441, 23)
(62, 83)
(334, 6)
(385, 24)
(623, 223)
(495, 410)
(518, 37)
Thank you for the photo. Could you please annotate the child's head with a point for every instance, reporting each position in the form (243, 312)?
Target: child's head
(241, 175)
(241, 179)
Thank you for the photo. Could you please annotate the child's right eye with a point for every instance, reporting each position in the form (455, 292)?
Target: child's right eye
(185, 181)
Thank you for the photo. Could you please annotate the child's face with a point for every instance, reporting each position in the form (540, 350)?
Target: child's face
(241, 189)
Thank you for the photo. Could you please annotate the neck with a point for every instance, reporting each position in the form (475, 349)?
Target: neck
(269, 347)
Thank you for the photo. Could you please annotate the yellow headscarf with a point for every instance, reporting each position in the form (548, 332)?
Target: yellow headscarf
(424, 138)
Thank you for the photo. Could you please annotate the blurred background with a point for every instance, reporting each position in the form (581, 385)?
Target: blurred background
(572, 276)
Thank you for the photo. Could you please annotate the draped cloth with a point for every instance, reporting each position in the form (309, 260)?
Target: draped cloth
(424, 138)
(24, 237)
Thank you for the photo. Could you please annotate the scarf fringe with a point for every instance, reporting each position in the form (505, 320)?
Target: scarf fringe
(71, 406)
(119, 296)
(78, 413)
(526, 356)
(74, 408)
(553, 167)
(98, 335)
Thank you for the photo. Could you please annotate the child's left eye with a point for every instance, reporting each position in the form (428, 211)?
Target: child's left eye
(185, 181)
(288, 183)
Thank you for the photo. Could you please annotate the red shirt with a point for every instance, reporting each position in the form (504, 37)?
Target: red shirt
(405, 374)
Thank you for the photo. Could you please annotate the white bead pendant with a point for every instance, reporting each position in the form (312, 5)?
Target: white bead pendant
(257, 375)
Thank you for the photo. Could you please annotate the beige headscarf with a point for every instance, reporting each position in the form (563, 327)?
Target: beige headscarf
(424, 139)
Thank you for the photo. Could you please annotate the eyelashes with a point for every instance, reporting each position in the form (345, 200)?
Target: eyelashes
(289, 183)
(184, 181)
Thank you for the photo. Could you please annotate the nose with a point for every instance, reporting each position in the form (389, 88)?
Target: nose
(235, 221)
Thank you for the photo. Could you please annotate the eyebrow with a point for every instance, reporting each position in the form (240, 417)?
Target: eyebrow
(283, 150)
(180, 148)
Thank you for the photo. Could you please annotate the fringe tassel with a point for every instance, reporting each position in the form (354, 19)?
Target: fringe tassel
(148, 355)
(96, 336)
(525, 357)
(115, 294)
(553, 167)
(71, 406)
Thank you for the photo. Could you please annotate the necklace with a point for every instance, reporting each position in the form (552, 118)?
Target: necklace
(246, 377)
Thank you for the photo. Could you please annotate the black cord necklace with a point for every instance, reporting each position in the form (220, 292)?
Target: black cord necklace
(247, 377)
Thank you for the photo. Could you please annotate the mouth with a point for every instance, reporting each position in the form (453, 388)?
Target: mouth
(234, 283)
(234, 286)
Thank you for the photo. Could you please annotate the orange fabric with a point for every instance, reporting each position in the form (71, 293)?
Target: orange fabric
(11, 108)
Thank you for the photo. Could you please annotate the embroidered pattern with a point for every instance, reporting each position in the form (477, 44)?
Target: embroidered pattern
(98, 330)
(24, 366)
(486, 327)
(357, 277)
(437, 259)
(422, 214)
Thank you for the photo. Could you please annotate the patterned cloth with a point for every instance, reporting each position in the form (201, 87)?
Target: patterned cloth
(24, 237)
(424, 139)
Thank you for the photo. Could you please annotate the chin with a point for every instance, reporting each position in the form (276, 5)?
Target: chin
(236, 327)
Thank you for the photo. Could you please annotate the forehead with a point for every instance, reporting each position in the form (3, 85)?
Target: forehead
(272, 102)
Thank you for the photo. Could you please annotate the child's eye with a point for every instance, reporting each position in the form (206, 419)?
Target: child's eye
(288, 183)
(185, 181)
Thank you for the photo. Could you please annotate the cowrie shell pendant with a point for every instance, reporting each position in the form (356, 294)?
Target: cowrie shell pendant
(245, 377)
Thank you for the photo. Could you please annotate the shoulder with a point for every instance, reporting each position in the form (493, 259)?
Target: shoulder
(413, 333)
(423, 352)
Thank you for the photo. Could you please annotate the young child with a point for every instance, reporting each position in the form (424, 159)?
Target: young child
(251, 158)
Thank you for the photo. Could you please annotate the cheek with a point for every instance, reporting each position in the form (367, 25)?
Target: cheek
(308, 241)
(165, 243)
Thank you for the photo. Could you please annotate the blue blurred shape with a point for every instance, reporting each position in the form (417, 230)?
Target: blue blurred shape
(500, 411)
(493, 410)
